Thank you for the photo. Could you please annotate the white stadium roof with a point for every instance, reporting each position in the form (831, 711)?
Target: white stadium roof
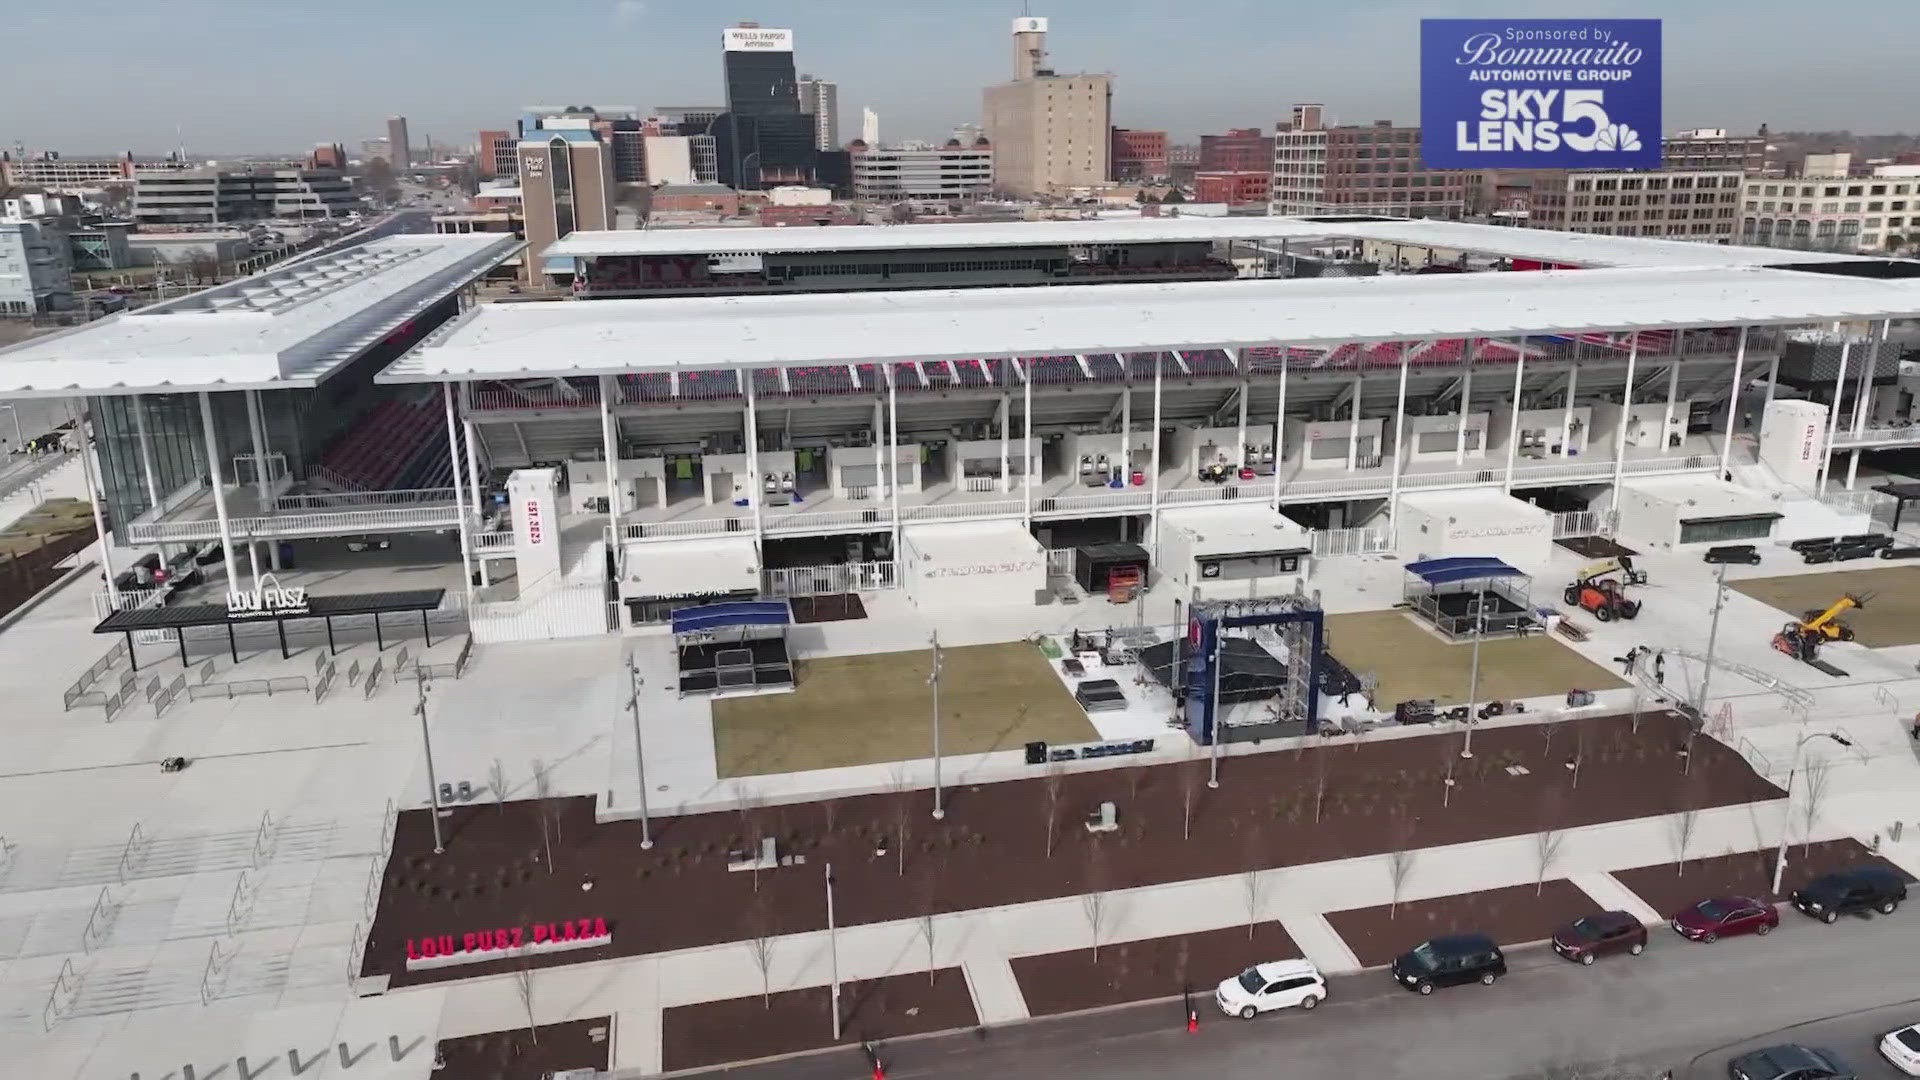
(289, 326)
(504, 341)
(1540, 244)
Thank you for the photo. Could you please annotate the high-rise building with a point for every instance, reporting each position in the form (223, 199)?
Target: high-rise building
(687, 119)
(1139, 155)
(1671, 204)
(1050, 133)
(952, 173)
(763, 139)
(399, 150)
(36, 274)
(1833, 212)
(758, 70)
(869, 126)
(1713, 148)
(1239, 150)
(1372, 169)
(1232, 188)
(202, 197)
(498, 155)
(56, 173)
(625, 139)
(820, 99)
(566, 184)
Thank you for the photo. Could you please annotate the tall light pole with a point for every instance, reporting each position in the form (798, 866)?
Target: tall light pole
(1213, 735)
(433, 781)
(833, 954)
(933, 680)
(1473, 677)
(1780, 860)
(639, 753)
(1713, 637)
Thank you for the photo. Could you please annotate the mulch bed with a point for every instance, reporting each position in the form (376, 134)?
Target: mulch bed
(832, 607)
(1279, 809)
(1510, 916)
(1595, 547)
(743, 1029)
(1669, 887)
(514, 1055)
(1141, 970)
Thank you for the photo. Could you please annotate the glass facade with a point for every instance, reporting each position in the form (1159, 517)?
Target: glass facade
(174, 442)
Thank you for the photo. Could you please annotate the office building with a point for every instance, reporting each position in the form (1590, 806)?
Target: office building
(1239, 150)
(566, 183)
(376, 148)
(1232, 188)
(1372, 169)
(763, 139)
(36, 273)
(1671, 204)
(758, 70)
(968, 134)
(50, 170)
(328, 156)
(1051, 133)
(1832, 213)
(686, 119)
(669, 159)
(197, 197)
(1139, 155)
(399, 149)
(1713, 148)
(625, 140)
(820, 99)
(869, 126)
(498, 155)
(923, 176)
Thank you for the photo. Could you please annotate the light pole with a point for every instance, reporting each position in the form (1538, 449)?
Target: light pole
(933, 680)
(833, 954)
(1473, 677)
(19, 437)
(433, 782)
(639, 754)
(1713, 637)
(1213, 735)
(1780, 860)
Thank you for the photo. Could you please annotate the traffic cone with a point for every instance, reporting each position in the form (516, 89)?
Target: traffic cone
(1193, 1021)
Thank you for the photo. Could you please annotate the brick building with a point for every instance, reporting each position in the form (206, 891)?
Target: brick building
(1239, 150)
(1139, 155)
(1232, 188)
(1372, 169)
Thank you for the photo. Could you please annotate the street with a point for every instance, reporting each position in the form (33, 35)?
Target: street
(1682, 1006)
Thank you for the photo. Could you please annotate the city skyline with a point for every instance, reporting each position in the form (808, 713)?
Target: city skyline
(1258, 59)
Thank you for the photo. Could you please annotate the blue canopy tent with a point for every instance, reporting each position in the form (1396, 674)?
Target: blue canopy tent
(735, 646)
(1461, 594)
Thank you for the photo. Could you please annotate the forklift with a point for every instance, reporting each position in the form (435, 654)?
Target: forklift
(1802, 639)
(1597, 589)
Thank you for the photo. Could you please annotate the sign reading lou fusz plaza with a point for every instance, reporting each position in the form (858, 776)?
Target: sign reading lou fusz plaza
(1540, 93)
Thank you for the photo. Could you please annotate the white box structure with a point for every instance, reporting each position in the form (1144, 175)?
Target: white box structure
(1079, 451)
(728, 478)
(1683, 512)
(639, 483)
(1540, 431)
(1432, 440)
(676, 569)
(974, 464)
(1795, 433)
(533, 497)
(1444, 524)
(1645, 422)
(854, 471)
(1194, 448)
(974, 564)
(1224, 553)
(1322, 445)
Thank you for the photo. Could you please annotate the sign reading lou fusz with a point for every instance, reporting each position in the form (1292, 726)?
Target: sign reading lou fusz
(1540, 93)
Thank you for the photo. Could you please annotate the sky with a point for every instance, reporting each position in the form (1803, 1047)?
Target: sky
(273, 76)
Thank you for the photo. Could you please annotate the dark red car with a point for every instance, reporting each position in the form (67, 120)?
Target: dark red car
(1601, 934)
(1725, 916)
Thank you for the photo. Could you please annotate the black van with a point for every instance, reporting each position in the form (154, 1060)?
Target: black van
(1449, 961)
(1842, 893)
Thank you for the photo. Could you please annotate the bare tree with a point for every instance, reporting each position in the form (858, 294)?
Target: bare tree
(1813, 796)
(1579, 754)
(747, 804)
(1546, 848)
(1055, 779)
(1448, 757)
(760, 946)
(1093, 902)
(830, 813)
(523, 985)
(497, 780)
(1320, 769)
(926, 935)
(1189, 786)
(902, 818)
(1681, 826)
(542, 794)
(1400, 858)
(1253, 888)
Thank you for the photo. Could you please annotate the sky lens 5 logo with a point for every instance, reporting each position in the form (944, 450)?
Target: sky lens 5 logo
(1540, 93)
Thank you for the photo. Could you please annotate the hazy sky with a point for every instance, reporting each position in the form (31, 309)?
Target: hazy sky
(280, 75)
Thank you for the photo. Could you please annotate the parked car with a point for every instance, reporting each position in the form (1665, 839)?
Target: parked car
(1789, 1061)
(1725, 916)
(1284, 984)
(1848, 891)
(1449, 961)
(1592, 936)
(1902, 1049)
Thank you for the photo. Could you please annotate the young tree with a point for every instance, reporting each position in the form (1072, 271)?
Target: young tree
(542, 795)
(1189, 787)
(926, 935)
(1093, 902)
(1449, 757)
(902, 818)
(1681, 826)
(1400, 857)
(1252, 888)
(1546, 848)
(1813, 791)
(1320, 770)
(497, 780)
(523, 985)
(1055, 779)
(760, 945)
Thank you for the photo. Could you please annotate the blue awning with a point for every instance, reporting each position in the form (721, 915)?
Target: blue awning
(745, 613)
(1449, 571)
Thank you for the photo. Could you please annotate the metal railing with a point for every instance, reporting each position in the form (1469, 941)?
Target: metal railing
(1877, 436)
(822, 580)
(543, 397)
(1578, 523)
(286, 684)
(1335, 543)
(1856, 501)
(89, 677)
(314, 524)
(495, 541)
(360, 500)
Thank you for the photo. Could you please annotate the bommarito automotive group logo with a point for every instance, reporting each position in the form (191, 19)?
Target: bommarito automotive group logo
(1540, 93)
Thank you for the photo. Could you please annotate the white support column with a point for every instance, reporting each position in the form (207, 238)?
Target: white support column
(1153, 490)
(1833, 413)
(1673, 401)
(1862, 393)
(1280, 432)
(1626, 411)
(459, 499)
(609, 446)
(258, 428)
(219, 489)
(1353, 428)
(1246, 387)
(95, 492)
(755, 493)
(1399, 440)
(1466, 406)
(1773, 380)
(139, 410)
(253, 561)
(1513, 421)
(1733, 402)
(893, 444)
(1029, 471)
(473, 473)
(1006, 421)
(1126, 422)
(879, 448)
(1566, 414)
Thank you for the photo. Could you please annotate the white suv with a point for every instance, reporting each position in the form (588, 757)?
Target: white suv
(1279, 985)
